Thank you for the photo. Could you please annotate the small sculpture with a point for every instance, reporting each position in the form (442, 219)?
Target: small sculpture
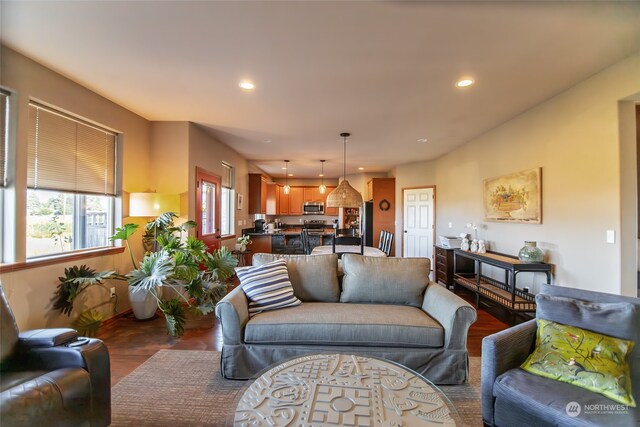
(465, 244)
(482, 248)
(474, 246)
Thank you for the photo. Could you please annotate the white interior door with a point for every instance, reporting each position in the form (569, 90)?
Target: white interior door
(418, 223)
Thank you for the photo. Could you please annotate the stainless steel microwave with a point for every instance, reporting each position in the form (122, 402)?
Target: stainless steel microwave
(313, 208)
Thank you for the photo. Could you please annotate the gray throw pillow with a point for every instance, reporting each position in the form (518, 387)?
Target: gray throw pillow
(314, 277)
(378, 280)
(616, 319)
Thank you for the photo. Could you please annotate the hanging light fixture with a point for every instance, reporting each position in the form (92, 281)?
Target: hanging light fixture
(322, 187)
(287, 188)
(344, 196)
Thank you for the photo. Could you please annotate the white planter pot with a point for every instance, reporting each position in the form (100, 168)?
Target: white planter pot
(143, 303)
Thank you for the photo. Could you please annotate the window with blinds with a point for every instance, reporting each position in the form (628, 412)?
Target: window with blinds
(226, 195)
(71, 183)
(67, 154)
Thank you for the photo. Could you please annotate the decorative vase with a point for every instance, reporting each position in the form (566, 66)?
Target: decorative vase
(465, 244)
(143, 303)
(240, 247)
(530, 253)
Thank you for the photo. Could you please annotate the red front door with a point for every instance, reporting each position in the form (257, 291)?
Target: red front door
(208, 190)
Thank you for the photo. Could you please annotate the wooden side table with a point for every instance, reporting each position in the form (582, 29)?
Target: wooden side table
(241, 255)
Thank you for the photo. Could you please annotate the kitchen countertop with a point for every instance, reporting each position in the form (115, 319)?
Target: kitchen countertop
(290, 232)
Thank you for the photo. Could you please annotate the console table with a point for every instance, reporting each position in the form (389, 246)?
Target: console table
(505, 292)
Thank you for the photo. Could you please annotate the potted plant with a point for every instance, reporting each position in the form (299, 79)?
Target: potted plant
(76, 280)
(199, 278)
(242, 243)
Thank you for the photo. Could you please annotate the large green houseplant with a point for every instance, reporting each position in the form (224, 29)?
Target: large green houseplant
(198, 277)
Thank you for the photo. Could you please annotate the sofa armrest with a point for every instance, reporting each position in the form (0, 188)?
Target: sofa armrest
(452, 312)
(46, 337)
(233, 313)
(501, 352)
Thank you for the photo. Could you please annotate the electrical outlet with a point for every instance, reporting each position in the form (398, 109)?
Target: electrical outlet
(113, 292)
(450, 225)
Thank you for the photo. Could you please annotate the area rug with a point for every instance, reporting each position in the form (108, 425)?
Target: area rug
(185, 388)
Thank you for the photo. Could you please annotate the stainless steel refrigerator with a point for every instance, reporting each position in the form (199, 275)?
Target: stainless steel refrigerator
(367, 223)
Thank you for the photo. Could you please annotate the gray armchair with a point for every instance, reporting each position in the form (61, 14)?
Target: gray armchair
(51, 377)
(512, 396)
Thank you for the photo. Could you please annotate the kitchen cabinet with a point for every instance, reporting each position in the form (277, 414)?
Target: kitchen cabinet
(312, 194)
(327, 210)
(257, 193)
(283, 208)
(273, 199)
(259, 244)
(296, 199)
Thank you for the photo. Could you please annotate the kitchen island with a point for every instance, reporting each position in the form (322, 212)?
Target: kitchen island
(286, 240)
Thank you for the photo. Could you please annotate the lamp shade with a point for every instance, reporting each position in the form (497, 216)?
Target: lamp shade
(153, 204)
(344, 196)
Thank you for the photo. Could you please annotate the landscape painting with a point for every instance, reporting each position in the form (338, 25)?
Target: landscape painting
(516, 197)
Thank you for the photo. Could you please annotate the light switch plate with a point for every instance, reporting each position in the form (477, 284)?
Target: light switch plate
(611, 236)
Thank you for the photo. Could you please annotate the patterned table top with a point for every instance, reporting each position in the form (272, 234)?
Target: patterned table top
(343, 390)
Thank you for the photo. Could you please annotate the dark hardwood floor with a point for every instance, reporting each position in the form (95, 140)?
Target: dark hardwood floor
(131, 342)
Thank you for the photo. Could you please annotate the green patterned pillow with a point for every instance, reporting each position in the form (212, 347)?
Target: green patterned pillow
(583, 358)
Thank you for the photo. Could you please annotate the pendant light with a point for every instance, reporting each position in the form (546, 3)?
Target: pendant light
(344, 196)
(287, 188)
(322, 187)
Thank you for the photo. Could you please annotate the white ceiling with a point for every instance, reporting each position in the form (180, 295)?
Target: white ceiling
(384, 71)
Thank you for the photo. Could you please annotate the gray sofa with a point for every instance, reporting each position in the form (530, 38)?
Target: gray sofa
(512, 396)
(387, 307)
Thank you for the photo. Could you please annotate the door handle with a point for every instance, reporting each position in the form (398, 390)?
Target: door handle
(405, 231)
(218, 237)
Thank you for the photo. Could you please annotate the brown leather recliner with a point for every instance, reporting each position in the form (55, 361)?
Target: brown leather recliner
(51, 376)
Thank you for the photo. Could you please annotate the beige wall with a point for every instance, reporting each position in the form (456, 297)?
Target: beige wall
(575, 138)
(208, 153)
(29, 291)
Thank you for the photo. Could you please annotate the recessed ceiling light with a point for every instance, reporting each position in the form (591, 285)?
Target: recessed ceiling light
(360, 169)
(267, 141)
(290, 174)
(464, 83)
(422, 140)
(284, 169)
(247, 85)
(321, 174)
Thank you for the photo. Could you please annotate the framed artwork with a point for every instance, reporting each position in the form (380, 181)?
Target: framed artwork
(240, 202)
(516, 197)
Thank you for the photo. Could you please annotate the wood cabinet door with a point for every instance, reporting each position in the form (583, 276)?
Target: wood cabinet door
(272, 199)
(296, 198)
(307, 194)
(284, 203)
(257, 193)
(317, 196)
(329, 211)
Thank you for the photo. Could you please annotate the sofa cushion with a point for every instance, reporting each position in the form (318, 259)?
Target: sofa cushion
(267, 287)
(380, 280)
(346, 324)
(314, 278)
(540, 399)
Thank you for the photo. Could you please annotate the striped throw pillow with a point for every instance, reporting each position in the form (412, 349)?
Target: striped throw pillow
(267, 286)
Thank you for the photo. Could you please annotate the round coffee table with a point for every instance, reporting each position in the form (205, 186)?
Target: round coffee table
(343, 390)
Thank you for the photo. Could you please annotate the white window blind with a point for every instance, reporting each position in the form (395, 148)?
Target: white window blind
(67, 154)
(4, 124)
